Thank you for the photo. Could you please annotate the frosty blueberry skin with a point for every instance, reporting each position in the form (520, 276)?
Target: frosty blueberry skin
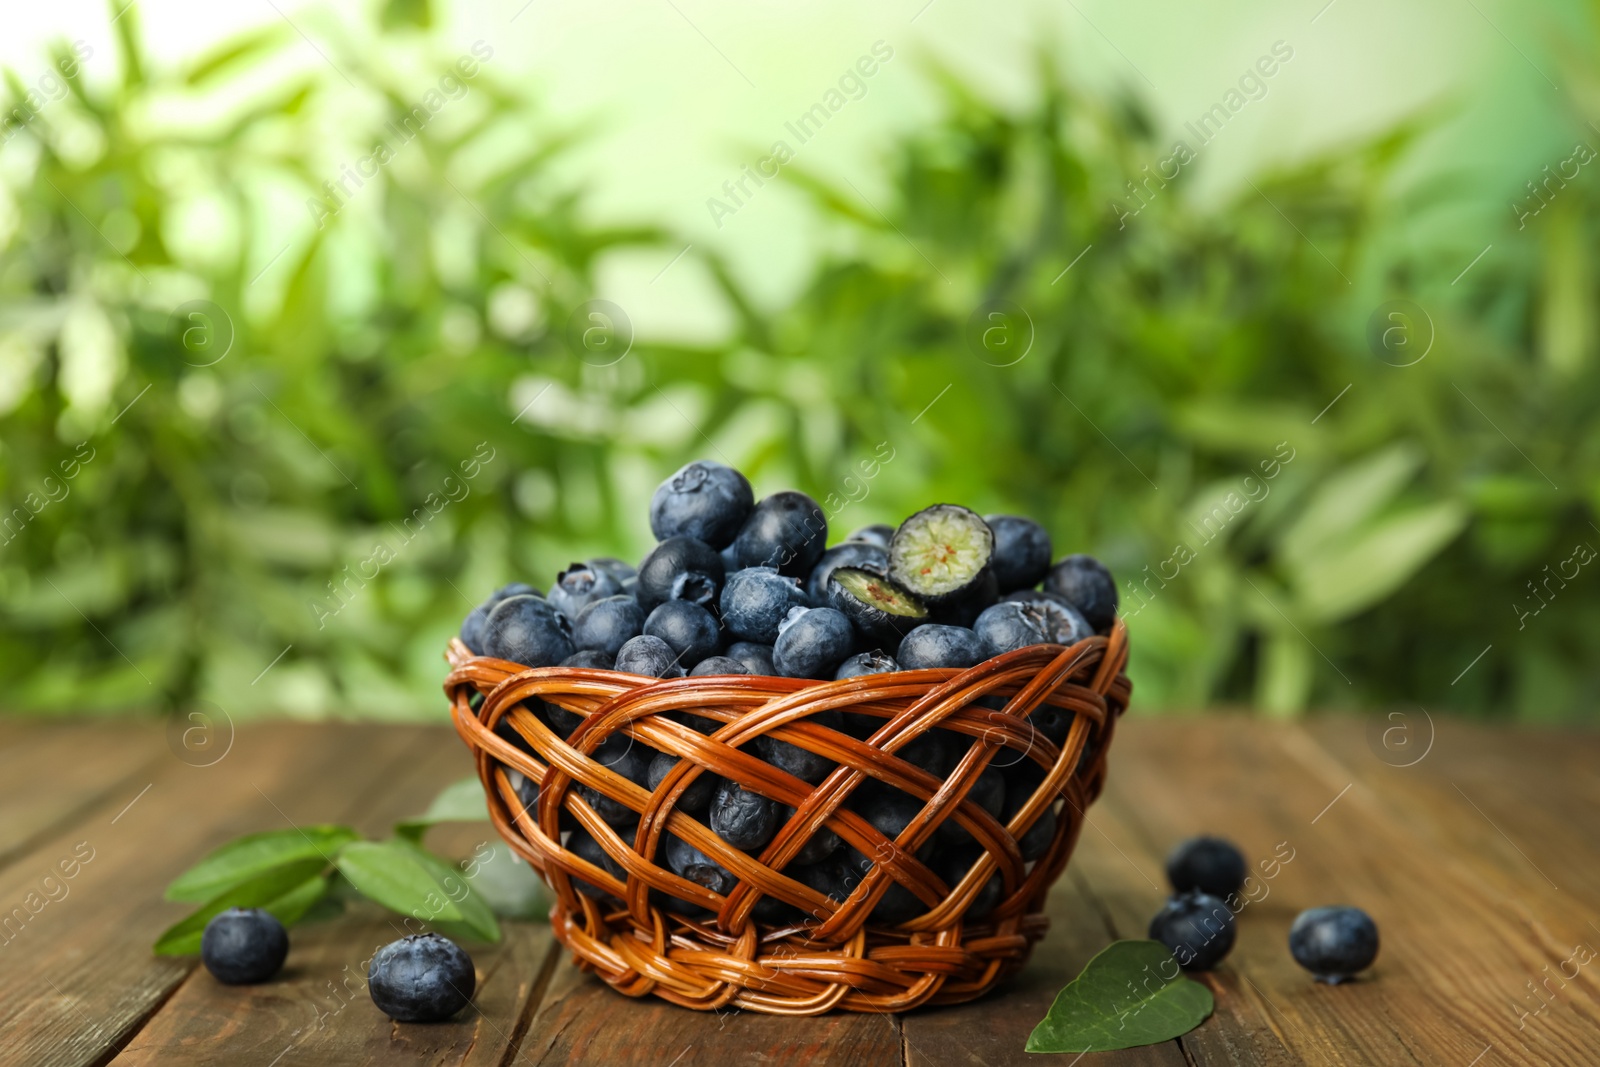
(244, 946)
(472, 625)
(813, 644)
(1087, 585)
(679, 568)
(590, 660)
(649, 656)
(704, 500)
(786, 530)
(757, 658)
(608, 624)
(580, 585)
(741, 818)
(422, 978)
(1198, 928)
(688, 629)
(527, 630)
(934, 645)
(756, 600)
(686, 861)
(718, 665)
(1210, 864)
(1008, 626)
(1334, 943)
(694, 799)
(1064, 624)
(1022, 551)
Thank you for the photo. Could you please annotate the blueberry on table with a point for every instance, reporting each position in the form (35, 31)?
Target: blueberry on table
(874, 558)
(1009, 625)
(1334, 943)
(879, 533)
(741, 818)
(718, 665)
(649, 656)
(580, 585)
(1087, 586)
(755, 600)
(528, 631)
(1064, 624)
(876, 661)
(756, 657)
(590, 660)
(935, 645)
(1021, 551)
(881, 612)
(696, 798)
(472, 625)
(1210, 864)
(243, 946)
(680, 568)
(786, 530)
(606, 625)
(423, 978)
(1197, 927)
(941, 552)
(688, 629)
(704, 500)
(813, 644)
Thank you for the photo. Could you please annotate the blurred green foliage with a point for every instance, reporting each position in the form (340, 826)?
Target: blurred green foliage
(300, 452)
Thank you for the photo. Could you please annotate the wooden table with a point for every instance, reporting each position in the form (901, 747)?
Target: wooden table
(1479, 863)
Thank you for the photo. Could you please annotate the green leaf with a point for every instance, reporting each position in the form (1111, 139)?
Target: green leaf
(287, 892)
(254, 854)
(1347, 500)
(1353, 576)
(460, 801)
(1131, 994)
(405, 878)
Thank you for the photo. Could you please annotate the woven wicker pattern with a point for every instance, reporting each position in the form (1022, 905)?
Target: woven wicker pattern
(840, 960)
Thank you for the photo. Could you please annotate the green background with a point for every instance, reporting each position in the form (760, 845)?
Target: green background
(1339, 289)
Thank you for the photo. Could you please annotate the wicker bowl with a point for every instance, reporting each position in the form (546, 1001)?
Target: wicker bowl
(720, 956)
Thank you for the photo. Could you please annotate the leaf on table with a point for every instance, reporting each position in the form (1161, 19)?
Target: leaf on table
(1131, 994)
(405, 878)
(254, 854)
(288, 892)
(460, 801)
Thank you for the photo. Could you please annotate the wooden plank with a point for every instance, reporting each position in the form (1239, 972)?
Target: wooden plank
(582, 1020)
(1454, 957)
(51, 773)
(79, 977)
(318, 1011)
(993, 1031)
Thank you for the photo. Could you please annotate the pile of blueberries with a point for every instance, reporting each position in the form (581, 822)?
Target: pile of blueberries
(740, 587)
(1199, 922)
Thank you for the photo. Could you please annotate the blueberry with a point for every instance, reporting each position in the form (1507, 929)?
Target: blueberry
(874, 558)
(528, 631)
(933, 645)
(585, 847)
(718, 665)
(755, 600)
(963, 609)
(606, 625)
(1197, 927)
(704, 500)
(696, 798)
(688, 629)
(1035, 840)
(757, 658)
(1008, 626)
(649, 656)
(680, 568)
(941, 552)
(561, 721)
(686, 861)
(581, 585)
(621, 573)
(813, 644)
(472, 625)
(741, 818)
(879, 610)
(879, 533)
(786, 530)
(1021, 551)
(988, 793)
(1087, 586)
(951, 866)
(890, 812)
(802, 763)
(423, 978)
(1334, 943)
(590, 660)
(822, 844)
(1210, 864)
(243, 946)
(862, 663)
(625, 756)
(1064, 624)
